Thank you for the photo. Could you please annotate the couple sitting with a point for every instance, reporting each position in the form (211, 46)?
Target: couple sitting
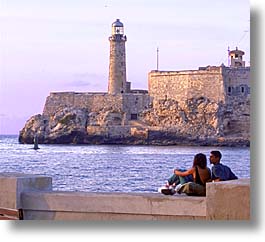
(193, 181)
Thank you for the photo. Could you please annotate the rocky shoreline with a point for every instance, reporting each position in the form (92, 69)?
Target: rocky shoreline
(159, 139)
(199, 122)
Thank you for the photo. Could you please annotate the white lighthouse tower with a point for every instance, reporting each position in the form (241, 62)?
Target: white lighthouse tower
(117, 62)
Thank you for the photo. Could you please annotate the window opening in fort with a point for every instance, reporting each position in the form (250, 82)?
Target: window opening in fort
(242, 89)
(134, 116)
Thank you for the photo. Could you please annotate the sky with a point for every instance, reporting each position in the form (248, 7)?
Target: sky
(62, 45)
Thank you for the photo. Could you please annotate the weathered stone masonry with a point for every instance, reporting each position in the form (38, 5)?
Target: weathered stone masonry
(216, 83)
(183, 85)
(227, 87)
(129, 103)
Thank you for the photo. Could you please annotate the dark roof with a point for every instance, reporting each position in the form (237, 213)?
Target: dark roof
(117, 23)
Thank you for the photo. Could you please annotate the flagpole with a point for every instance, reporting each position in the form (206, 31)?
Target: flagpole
(157, 52)
(228, 60)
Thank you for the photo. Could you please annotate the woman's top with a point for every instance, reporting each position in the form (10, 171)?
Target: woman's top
(202, 175)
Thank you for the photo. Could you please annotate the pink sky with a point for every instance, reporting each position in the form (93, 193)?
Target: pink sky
(56, 45)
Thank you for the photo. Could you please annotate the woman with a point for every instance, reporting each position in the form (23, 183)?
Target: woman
(191, 180)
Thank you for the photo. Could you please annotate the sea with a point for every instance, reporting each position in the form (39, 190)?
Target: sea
(110, 168)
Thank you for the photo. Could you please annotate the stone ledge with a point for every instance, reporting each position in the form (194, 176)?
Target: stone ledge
(115, 203)
(229, 200)
(13, 184)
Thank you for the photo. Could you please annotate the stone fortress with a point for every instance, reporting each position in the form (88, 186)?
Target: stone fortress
(208, 106)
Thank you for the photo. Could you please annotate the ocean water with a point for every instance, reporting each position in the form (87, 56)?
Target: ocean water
(110, 168)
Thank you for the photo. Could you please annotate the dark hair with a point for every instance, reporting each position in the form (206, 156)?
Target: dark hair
(200, 160)
(217, 153)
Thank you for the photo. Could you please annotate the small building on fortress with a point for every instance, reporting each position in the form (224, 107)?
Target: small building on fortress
(208, 106)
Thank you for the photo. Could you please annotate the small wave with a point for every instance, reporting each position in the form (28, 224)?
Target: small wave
(109, 168)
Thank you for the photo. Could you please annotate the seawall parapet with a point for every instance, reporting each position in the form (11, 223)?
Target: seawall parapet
(228, 200)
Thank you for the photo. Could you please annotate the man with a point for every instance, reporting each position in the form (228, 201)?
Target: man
(220, 172)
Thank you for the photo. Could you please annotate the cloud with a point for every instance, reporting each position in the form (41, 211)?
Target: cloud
(90, 81)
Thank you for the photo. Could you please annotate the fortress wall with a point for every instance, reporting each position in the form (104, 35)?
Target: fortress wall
(93, 102)
(183, 85)
(238, 76)
(135, 103)
(237, 89)
(230, 85)
(96, 102)
(57, 100)
(237, 80)
(83, 100)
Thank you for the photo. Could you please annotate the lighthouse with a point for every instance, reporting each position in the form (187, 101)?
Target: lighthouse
(117, 63)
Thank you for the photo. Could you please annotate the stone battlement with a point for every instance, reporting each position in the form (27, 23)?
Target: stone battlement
(200, 71)
(96, 102)
(215, 83)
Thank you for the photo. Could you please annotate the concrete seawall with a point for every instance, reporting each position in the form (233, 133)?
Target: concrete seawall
(228, 200)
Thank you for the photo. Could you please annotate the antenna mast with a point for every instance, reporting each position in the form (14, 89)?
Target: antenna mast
(228, 59)
(157, 58)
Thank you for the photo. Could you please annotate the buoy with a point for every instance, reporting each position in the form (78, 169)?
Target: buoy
(36, 142)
